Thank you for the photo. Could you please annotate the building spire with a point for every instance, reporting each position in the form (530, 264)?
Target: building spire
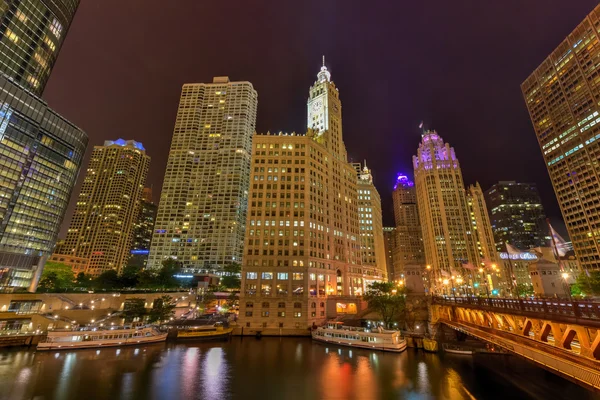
(323, 59)
(324, 74)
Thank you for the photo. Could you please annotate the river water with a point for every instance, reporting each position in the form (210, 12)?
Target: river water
(272, 368)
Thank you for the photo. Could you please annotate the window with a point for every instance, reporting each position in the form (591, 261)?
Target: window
(267, 275)
(281, 313)
(313, 305)
(297, 305)
(265, 314)
(248, 313)
(297, 314)
(281, 305)
(298, 276)
(249, 304)
(265, 304)
(251, 275)
(283, 276)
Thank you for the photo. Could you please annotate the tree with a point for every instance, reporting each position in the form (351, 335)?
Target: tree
(588, 284)
(134, 308)
(524, 290)
(83, 280)
(130, 276)
(108, 280)
(166, 274)
(56, 276)
(231, 276)
(387, 300)
(162, 309)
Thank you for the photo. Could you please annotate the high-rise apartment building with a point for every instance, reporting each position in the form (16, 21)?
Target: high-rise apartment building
(143, 229)
(202, 211)
(102, 226)
(408, 248)
(563, 99)
(457, 235)
(32, 33)
(303, 233)
(40, 151)
(517, 215)
(389, 244)
(370, 220)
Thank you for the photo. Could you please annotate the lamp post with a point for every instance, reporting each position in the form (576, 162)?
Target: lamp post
(565, 276)
(459, 280)
(428, 269)
(452, 283)
(486, 283)
(445, 282)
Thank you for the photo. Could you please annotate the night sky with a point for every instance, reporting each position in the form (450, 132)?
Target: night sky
(457, 65)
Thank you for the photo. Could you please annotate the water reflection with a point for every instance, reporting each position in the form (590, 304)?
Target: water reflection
(270, 368)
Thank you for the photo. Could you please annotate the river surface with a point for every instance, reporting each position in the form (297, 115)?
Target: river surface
(272, 368)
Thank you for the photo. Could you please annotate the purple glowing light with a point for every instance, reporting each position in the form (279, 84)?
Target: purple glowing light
(402, 180)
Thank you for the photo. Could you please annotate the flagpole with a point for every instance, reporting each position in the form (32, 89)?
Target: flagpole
(556, 254)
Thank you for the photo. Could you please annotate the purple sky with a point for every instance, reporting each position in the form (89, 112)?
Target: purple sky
(455, 64)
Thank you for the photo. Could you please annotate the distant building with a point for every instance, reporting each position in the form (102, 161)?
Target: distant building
(203, 203)
(517, 215)
(549, 280)
(77, 264)
(562, 98)
(40, 151)
(408, 244)
(142, 231)
(102, 226)
(370, 220)
(457, 236)
(389, 240)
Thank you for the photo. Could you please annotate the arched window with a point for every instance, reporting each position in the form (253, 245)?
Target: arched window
(249, 304)
(322, 304)
(313, 305)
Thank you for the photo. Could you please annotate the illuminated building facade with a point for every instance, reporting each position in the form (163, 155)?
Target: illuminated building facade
(370, 220)
(32, 34)
(101, 229)
(517, 215)
(303, 233)
(142, 231)
(563, 99)
(201, 216)
(408, 249)
(457, 235)
(389, 243)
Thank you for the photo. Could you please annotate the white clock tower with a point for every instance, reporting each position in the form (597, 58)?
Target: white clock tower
(325, 112)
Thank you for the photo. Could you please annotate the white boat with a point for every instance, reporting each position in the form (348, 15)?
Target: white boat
(70, 340)
(456, 349)
(376, 339)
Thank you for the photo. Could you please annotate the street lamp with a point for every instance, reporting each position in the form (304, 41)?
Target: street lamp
(565, 276)
(445, 282)
(459, 280)
(428, 268)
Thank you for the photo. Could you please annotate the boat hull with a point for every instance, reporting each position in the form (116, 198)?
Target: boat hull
(101, 344)
(395, 348)
(204, 336)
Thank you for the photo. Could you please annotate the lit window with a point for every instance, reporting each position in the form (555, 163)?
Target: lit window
(11, 36)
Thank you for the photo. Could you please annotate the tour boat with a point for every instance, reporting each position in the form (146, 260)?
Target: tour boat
(376, 338)
(69, 340)
(205, 332)
(448, 348)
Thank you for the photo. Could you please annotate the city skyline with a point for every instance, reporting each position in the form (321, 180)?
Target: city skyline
(396, 130)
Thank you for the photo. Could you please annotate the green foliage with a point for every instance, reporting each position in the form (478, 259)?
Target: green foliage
(108, 280)
(231, 276)
(162, 309)
(524, 290)
(56, 276)
(134, 308)
(388, 300)
(83, 280)
(587, 285)
(130, 276)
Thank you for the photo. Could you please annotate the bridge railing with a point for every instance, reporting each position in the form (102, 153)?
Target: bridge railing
(550, 307)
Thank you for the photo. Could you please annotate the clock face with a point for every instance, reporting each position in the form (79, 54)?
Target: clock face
(317, 105)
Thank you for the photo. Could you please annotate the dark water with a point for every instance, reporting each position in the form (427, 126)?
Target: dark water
(272, 368)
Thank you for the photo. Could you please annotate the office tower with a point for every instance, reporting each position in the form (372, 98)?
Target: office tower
(517, 215)
(32, 34)
(303, 234)
(370, 220)
(563, 97)
(101, 229)
(40, 151)
(142, 231)
(457, 236)
(202, 211)
(389, 240)
(408, 248)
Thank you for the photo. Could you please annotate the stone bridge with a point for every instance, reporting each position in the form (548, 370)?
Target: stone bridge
(560, 335)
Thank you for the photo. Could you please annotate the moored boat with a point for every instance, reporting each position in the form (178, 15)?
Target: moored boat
(377, 339)
(70, 340)
(205, 332)
(430, 345)
(448, 348)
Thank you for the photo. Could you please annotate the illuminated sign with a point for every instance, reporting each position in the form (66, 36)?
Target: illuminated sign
(345, 308)
(142, 252)
(520, 256)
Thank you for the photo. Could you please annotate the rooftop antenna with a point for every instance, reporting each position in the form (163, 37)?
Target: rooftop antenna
(323, 59)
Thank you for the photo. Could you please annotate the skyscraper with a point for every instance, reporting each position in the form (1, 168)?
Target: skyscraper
(457, 235)
(389, 240)
(563, 99)
(32, 34)
(102, 226)
(202, 211)
(303, 233)
(370, 220)
(143, 228)
(40, 151)
(408, 248)
(517, 215)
